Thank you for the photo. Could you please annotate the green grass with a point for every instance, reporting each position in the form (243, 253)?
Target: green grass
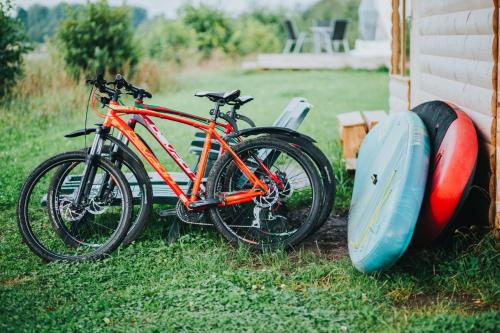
(199, 283)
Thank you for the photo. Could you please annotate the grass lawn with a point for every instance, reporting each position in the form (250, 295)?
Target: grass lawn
(199, 282)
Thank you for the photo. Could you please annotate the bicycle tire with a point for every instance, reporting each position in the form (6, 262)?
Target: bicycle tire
(126, 156)
(303, 160)
(326, 172)
(22, 206)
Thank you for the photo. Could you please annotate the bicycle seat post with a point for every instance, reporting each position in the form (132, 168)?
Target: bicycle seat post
(235, 108)
(215, 111)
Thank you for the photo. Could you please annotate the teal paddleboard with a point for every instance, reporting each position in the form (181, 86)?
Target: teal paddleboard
(389, 186)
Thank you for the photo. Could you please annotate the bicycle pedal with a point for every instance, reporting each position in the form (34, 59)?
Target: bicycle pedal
(204, 203)
(167, 212)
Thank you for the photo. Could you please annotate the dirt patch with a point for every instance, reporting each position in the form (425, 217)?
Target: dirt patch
(463, 301)
(15, 281)
(331, 239)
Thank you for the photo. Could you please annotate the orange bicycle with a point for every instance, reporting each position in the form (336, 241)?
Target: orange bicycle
(263, 192)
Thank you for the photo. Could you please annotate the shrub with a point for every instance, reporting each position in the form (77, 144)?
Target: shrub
(13, 45)
(99, 36)
(213, 28)
(170, 41)
(253, 36)
(273, 19)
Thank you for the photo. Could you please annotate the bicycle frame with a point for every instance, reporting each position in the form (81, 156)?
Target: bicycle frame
(113, 120)
(149, 125)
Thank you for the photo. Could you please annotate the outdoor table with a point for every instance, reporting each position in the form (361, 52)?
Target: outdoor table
(321, 39)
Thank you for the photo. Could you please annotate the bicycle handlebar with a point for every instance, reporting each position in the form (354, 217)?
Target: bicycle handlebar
(137, 92)
(118, 84)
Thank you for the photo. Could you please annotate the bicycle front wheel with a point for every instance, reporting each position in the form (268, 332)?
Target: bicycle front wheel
(282, 217)
(137, 178)
(56, 227)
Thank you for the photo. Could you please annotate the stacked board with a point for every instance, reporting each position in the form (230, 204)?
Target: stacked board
(415, 171)
(388, 191)
(454, 157)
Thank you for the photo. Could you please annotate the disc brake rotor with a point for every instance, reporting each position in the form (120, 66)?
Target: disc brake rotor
(96, 207)
(69, 212)
(272, 196)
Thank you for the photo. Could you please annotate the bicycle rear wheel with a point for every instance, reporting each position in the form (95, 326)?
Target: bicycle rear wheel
(70, 231)
(286, 214)
(325, 170)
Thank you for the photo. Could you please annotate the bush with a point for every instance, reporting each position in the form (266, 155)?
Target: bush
(213, 28)
(273, 19)
(99, 36)
(170, 41)
(13, 45)
(252, 36)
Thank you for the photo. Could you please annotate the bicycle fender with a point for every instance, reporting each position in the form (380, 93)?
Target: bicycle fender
(80, 132)
(269, 130)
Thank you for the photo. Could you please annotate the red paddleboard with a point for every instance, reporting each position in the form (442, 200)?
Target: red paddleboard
(454, 151)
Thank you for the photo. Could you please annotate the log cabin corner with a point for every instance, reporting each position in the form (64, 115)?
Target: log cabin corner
(453, 55)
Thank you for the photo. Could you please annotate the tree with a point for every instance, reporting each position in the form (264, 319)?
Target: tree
(13, 45)
(98, 36)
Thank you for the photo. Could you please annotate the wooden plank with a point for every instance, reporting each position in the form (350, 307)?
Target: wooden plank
(473, 47)
(396, 38)
(415, 52)
(321, 61)
(398, 86)
(466, 95)
(403, 38)
(478, 73)
(397, 104)
(434, 7)
(352, 129)
(372, 118)
(350, 119)
(399, 93)
(469, 22)
(302, 61)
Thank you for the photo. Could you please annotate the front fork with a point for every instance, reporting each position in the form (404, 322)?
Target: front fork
(89, 173)
(107, 183)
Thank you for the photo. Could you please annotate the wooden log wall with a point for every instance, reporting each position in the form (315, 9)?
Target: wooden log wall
(399, 93)
(454, 57)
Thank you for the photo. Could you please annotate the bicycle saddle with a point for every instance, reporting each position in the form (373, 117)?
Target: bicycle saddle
(243, 100)
(225, 97)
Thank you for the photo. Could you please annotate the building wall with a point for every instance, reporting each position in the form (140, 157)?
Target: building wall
(454, 57)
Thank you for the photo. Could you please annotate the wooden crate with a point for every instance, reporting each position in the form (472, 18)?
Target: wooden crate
(352, 130)
(353, 127)
(372, 118)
